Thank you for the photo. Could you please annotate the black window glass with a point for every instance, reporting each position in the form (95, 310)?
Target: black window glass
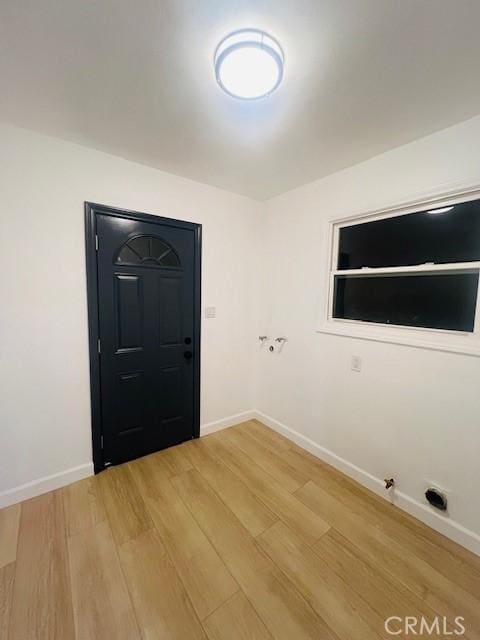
(141, 246)
(170, 259)
(128, 255)
(441, 301)
(416, 238)
(158, 248)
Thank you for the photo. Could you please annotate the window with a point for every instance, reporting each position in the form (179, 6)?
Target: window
(147, 251)
(415, 269)
(437, 301)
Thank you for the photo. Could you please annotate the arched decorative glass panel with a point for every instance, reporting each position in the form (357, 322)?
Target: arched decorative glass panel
(148, 251)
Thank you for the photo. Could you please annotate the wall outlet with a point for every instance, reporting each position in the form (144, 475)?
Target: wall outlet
(356, 364)
(210, 312)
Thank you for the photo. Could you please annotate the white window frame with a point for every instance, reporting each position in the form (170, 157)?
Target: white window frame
(438, 339)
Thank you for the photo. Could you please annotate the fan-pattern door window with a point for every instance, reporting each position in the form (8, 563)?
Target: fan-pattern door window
(148, 251)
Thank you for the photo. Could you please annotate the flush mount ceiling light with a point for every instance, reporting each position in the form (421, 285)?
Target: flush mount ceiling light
(441, 210)
(249, 64)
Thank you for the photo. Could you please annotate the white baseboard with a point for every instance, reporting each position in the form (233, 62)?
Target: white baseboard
(217, 425)
(47, 483)
(449, 528)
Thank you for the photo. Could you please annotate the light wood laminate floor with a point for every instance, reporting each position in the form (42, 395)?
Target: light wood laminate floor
(238, 535)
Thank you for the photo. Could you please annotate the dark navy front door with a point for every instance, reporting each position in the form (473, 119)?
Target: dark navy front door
(146, 302)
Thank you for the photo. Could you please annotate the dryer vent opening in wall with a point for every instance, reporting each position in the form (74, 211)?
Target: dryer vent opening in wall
(436, 499)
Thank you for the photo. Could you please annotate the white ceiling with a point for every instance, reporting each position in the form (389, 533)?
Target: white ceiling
(134, 78)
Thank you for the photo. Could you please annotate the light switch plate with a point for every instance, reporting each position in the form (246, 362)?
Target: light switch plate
(210, 312)
(356, 364)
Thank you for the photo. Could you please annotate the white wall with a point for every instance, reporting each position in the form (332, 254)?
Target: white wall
(413, 414)
(44, 378)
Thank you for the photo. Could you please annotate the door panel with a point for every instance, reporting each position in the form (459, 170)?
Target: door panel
(148, 334)
(129, 306)
(170, 311)
(172, 385)
(130, 402)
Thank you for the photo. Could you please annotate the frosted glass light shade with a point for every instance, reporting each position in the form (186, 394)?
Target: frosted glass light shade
(249, 64)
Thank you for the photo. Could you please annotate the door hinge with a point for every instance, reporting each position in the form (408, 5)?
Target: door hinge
(101, 442)
(96, 243)
(99, 347)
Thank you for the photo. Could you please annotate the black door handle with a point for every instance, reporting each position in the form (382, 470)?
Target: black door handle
(188, 355)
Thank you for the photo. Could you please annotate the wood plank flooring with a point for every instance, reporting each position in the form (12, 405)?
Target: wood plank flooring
(240, 535)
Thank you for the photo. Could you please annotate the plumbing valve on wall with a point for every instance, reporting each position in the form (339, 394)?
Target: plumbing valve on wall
(277, 344)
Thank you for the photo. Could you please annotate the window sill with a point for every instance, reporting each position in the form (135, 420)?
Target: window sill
(466, 344)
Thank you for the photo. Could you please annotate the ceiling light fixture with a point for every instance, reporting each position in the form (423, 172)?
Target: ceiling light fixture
(442, 210)
(249, 64)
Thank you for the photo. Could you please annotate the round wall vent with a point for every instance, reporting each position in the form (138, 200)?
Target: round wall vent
(436, 498)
